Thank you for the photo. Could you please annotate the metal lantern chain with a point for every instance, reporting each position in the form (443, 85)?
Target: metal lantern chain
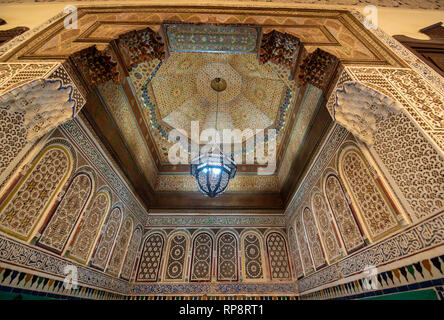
(213, 169)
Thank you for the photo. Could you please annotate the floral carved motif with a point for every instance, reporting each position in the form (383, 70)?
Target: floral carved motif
(131, 255)
(29, 200)
(89, 228)
(177, 255)
(345, 220)
(65, 217)
(202, 258)
(277, 254)
(120, 248)
(295, 253)
(106, 242)
(326, 229)
(415, 166)
(377, 213)
(307, 263)
(227, 264)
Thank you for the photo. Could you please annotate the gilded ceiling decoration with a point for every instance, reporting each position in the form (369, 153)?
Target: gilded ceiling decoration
(240, 183)
(118, 106)
(140, 45)
(96, 66)
(334, 31)
(312, 64)
(176, 91)
(163, 60)
(211, 38)
(255, 97)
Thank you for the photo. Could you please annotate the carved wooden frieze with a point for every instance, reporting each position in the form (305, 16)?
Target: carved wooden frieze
(139, 46)
(96, 66)
(358, 108)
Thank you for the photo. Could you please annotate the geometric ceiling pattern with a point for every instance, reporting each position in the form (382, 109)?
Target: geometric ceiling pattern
(255, 97)
(211, 38)
(177, 87)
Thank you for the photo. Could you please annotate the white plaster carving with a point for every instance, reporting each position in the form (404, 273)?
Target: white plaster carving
(358, 108)
(44, 103)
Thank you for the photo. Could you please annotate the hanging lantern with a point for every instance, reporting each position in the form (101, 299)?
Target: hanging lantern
(213, 171)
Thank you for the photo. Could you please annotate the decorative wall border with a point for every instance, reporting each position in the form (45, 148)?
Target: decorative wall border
(282, 288)
(425, 273)
(20, 282)
(214, 220)
(73, 129)
(206, 297)
(407, 56)
(14, 253)
(413, 240)
(332, 142)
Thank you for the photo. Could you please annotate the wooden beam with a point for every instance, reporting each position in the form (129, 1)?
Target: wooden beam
(226, 202)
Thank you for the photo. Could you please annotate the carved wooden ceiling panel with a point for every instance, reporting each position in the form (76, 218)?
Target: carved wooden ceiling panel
(177, 87)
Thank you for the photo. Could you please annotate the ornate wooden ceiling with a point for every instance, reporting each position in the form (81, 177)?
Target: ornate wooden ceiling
(116, 51)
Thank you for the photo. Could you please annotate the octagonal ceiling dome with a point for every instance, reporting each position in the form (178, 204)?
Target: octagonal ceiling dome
(182, 92)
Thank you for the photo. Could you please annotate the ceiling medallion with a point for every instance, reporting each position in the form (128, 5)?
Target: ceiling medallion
(213, 170)
(218, 84)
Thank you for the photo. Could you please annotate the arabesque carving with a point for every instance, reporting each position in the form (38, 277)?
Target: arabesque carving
(358, 108)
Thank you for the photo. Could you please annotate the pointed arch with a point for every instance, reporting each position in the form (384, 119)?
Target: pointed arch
(68, 211)
(327, 231)
(33, 195)
(376, 213)
(120, 248)
(253, 258)
(349, 229)
(307, 262)
(133, 249)
(88, 231)
(151, 257)
(202, 256)
(177, 256)
(294, 249)
(107, 238)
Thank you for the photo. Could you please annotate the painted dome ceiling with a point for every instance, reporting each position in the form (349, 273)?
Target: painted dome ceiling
(183, 93)
(180, 92)
(171, 90)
